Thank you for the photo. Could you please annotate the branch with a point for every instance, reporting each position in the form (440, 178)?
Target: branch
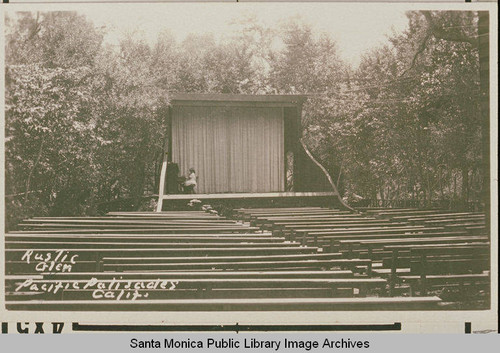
(36, 27)
(439, 33)
(340, 173)
(419, 51)
(454, 37)
(436, 31)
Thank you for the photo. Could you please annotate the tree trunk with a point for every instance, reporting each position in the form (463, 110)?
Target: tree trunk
(465, 185)
(441, 190)
(28, 181)
(429, 190)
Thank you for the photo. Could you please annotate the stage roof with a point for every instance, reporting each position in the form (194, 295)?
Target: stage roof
(263, 98)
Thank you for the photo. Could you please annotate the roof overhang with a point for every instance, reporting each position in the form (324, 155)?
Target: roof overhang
(236, 99)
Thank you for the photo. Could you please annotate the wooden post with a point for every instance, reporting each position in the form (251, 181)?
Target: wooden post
(332, 245)
(98, 262)
(362, 290)
(423, 279)
(369, 269)
(394, 269)
(163, 174)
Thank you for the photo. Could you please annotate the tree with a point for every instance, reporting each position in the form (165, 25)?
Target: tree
(50, 122)
(52, 39)
(426, 105)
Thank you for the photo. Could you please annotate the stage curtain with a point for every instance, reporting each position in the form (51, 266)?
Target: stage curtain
(232, 149)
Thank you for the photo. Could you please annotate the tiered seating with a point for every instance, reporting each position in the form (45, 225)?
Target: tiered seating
(307, 258)
(419, 251)
(456, 268)
(184, 261)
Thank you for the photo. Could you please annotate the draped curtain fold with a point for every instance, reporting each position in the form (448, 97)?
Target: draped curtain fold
(232, 149)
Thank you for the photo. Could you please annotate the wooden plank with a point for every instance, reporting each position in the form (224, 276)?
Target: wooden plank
(282, 264)
(328, 220)
(451, 266)
(56, 226)
(177, 98)
(298, 212)
(387, 209)
(17, 254)
(440, 215)
(432, 279)
(190, 274)
(346, 226)
(306, 220)
(327, 240)
(158, 230)
(435, 246)
(455, 220)
(242, 282)
(76, 238)
(244, 210)
(408, 213)
(247, 195)
(417, 230)
(52, 245)
(50, 234)
(299, 215)
(112, 221)
(287, 304)
(231, 257)
(217, 293)
(166, 215)
(420, 240)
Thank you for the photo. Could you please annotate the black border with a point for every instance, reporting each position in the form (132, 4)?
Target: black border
(77, 327)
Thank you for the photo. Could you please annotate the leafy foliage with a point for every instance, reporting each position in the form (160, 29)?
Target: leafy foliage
(85, 121)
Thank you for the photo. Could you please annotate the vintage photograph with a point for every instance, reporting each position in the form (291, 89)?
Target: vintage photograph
(255, 158)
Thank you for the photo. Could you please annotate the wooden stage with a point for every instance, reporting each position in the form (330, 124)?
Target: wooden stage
(247, 195)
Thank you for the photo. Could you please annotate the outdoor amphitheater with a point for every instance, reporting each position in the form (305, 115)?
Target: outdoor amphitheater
(266, 230)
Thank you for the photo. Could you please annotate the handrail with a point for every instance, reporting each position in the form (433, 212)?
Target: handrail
(163, 174)
(323, 169)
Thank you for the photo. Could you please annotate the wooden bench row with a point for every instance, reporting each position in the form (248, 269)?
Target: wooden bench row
(140, 230)
(204, 263)
(277, 304)
(154, 288)
(314, 259)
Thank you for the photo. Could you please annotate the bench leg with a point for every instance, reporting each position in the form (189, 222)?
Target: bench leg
(423, 279)
(363, 290)
(98, 262)
(351, 253)
(369, 269)
(393, 275)
(333, 291)
(304, 239)
(332, 246)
